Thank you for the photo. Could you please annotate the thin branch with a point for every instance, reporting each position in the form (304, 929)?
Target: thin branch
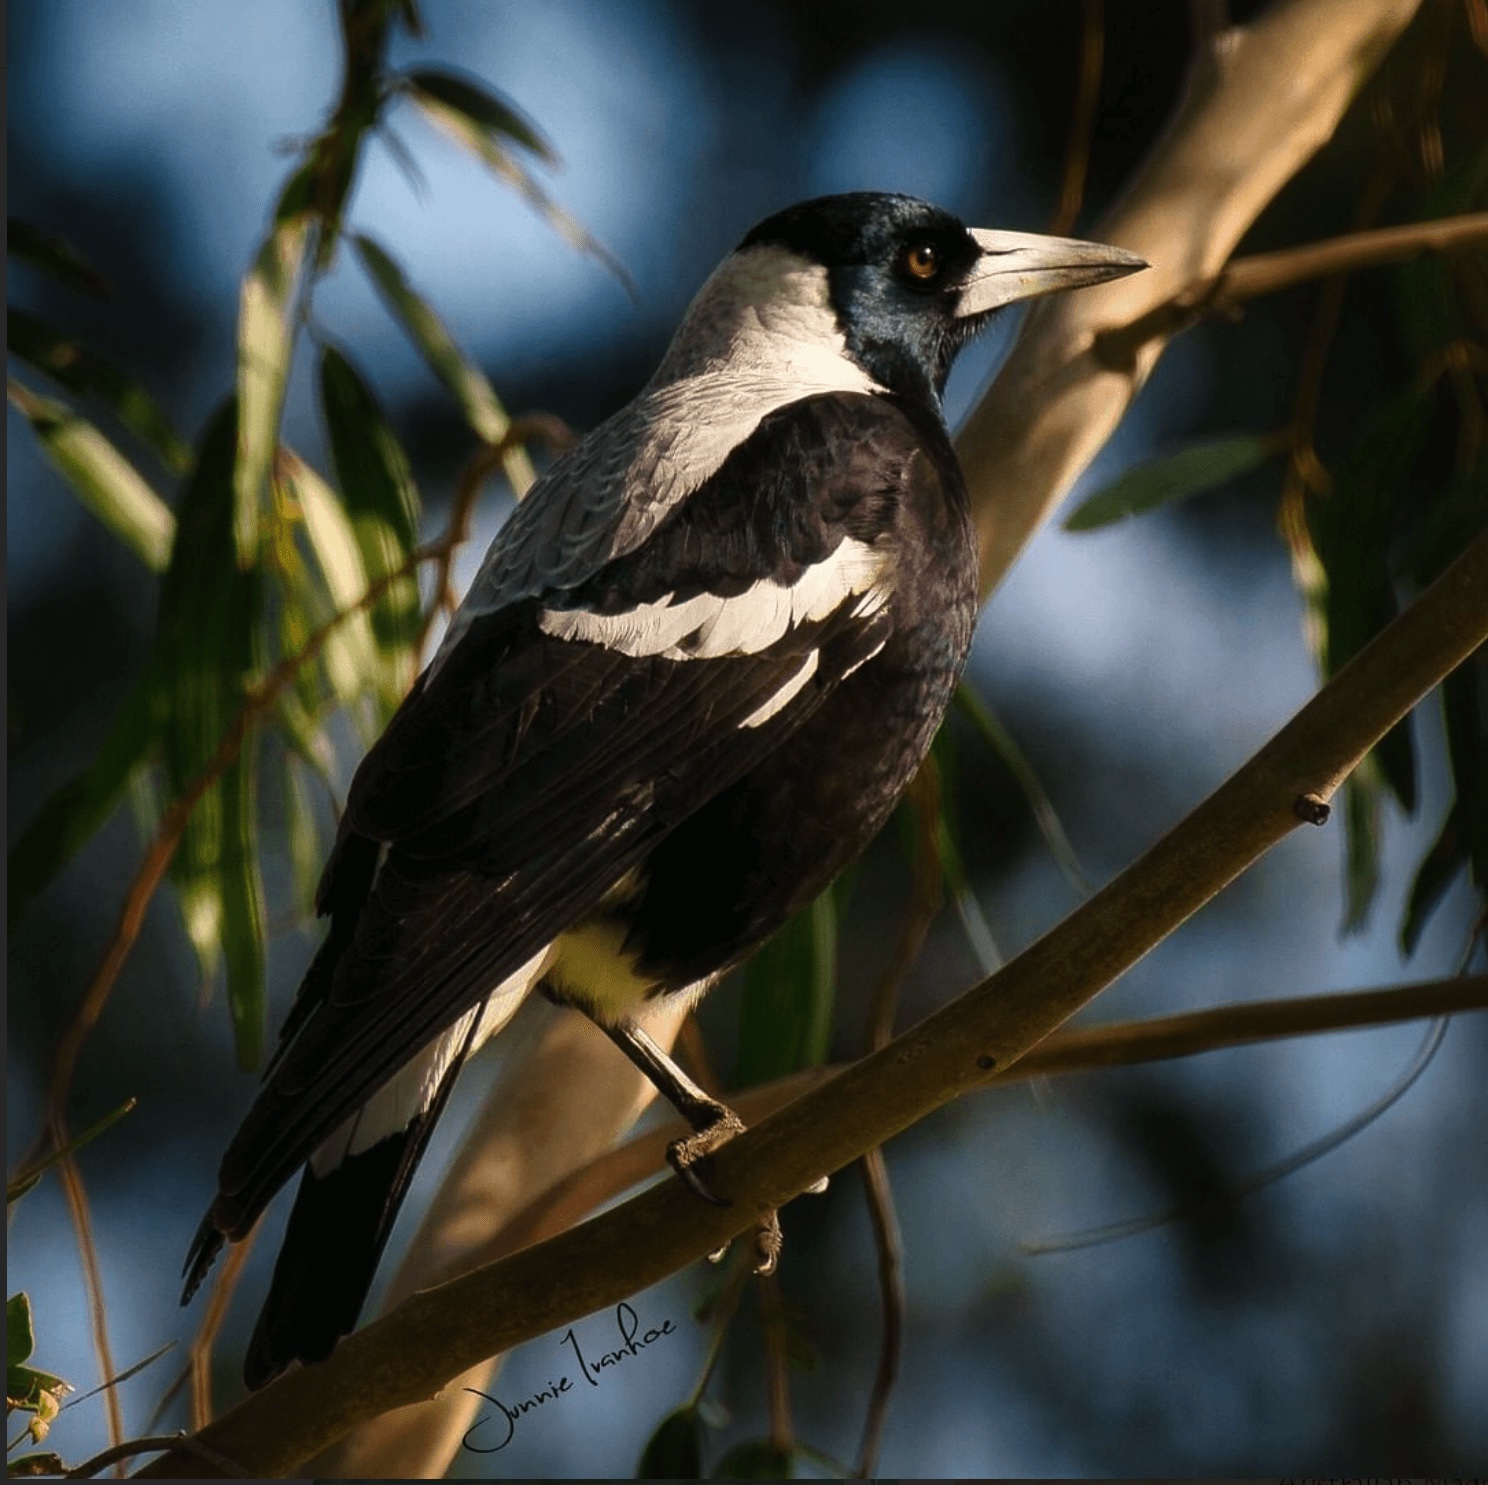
(149, 1445)
(777, 1362)
(199, 1361)
(440, 1332)
(71, 1178)
(1082, 123)
(1270, 273)
(889, 1247)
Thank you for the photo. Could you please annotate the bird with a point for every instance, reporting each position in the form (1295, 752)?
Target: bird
(695, 671)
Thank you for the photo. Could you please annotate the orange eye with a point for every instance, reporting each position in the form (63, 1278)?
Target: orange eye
(921, 261)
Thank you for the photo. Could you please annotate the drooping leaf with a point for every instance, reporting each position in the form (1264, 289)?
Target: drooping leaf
(790, 984)
(494, 117)
(85, 374)
(1436, 873)
(53, 256)
(1003, 744)
(208, 644)
(29, 1466)
(301, 836)
(1352, 530)
(100, 476)
(20, 1334)
(26, 1179)
(1189, 471)
(81, 807)
(758, 1459)
(350, 650)
(28, 1389)
(266, 331)
(465, 380)
(382, 501)
(489, 146)
(675, 1450)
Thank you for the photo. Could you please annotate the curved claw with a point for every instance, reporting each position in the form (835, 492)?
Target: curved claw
(695, 1183)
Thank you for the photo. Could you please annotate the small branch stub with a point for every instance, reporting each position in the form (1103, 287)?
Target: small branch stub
(1313, 808)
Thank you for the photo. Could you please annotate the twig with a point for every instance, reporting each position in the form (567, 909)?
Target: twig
(890, 1249)
(1082, 123)
(199, 1360)
(777, 1363)
(925, 903)
(151, 1444)
(438, 1333)
(481, 465)
(82, 1222)
(1270, 273)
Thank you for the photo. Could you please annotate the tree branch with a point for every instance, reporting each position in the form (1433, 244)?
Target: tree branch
(1269, 273)
(1257, 106)
(435, 1334)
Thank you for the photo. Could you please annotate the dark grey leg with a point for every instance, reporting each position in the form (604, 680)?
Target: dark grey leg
(713, 1124)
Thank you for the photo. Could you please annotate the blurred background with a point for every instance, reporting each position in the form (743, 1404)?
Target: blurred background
(1335, 1323)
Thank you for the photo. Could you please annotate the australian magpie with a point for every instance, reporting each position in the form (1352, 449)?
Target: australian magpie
(695, 671)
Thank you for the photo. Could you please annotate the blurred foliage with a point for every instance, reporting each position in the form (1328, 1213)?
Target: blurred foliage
(28, 1389)
(1395, 509)
(270, 573)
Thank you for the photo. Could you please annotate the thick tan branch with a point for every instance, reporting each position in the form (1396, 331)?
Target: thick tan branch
(1259, 103)
(438, 1333)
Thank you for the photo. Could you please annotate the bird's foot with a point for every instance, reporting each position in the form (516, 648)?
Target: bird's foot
(686, 1154)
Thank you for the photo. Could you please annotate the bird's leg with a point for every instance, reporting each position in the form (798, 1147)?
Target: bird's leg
(713, 1124)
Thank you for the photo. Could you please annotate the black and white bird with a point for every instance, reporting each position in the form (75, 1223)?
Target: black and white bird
(697, 668)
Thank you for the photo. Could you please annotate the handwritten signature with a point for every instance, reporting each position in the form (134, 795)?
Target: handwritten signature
(632, 1342)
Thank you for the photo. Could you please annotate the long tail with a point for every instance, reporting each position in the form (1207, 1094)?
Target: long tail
(340, 1223)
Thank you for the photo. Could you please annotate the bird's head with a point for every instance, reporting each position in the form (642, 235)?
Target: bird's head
(898, 284)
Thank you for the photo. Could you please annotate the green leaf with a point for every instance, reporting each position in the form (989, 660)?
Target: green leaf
(757, 1460)
(208, 646)
(1352, 529)
(1191, 471)
(1002, 743)
(27, 1389)
(485, 112)
(81, 807)
(301, 836)
(466, 382)
(266, 332)
(20, 1334)
(52, 256)
(1438, 870)
(101, 477)
(27, 1179)
(27, 1466)
(350, 650)
(789, 986)
(485, 143)
(81, 372)
(675, 1450)
(383, 504)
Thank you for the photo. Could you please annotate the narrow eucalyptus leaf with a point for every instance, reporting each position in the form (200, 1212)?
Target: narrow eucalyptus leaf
(1191, 471)
(244, 922)
(208, 648)
(100, 476)
(1439, 868)
(266, 331)
(757, 1460)
(485, 110)
(466, 381)
(74, 813)
(53, 257)
(675, 1450)
(78, 370)
(382, 502)
(301, 836)
(20, 1333)
(785, 1020)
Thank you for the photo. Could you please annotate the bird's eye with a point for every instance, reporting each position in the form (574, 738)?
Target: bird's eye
(921, 260)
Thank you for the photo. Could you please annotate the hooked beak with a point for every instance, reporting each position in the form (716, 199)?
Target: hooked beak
(1023, 265)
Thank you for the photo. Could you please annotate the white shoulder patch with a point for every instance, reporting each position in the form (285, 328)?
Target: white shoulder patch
(707, 626)
(760, 334)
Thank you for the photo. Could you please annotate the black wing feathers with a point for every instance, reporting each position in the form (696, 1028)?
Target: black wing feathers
(526, 774)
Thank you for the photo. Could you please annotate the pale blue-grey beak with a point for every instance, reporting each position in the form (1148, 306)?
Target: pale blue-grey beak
(1023, 265)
